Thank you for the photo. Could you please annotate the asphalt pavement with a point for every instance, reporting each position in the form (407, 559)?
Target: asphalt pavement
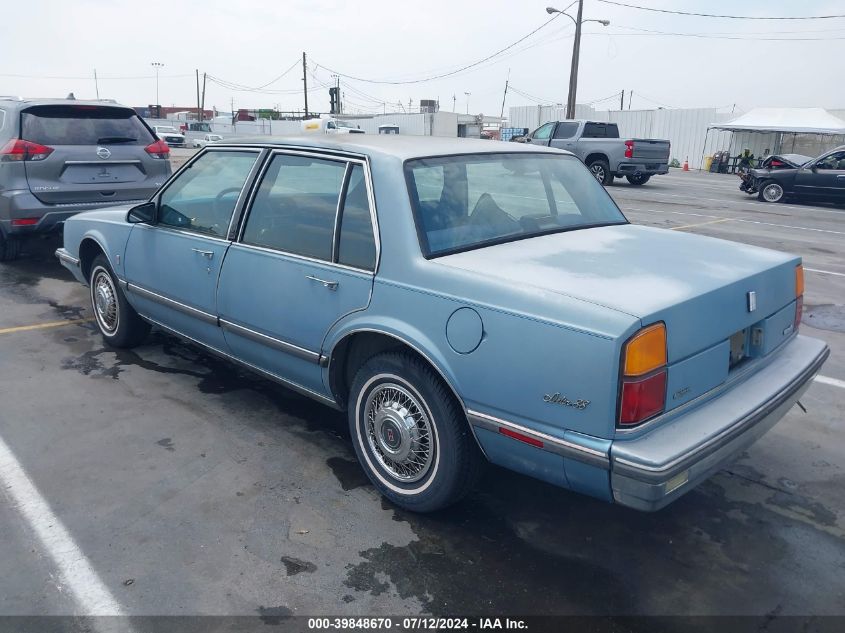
(166, 482)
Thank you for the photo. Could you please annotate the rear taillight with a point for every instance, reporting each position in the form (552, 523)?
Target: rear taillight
(642, 389)
(629, 149)
(18, 149)
(25, 222)
(799, 296)
(159, 149)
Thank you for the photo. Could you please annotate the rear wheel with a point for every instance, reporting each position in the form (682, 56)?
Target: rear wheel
(771, 191)
(410, 435)
(638, 179)
(118, 322)
(10, 248)
(601, 171)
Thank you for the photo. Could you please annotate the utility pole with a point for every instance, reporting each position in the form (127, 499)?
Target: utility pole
(573, 71)
(199, 112)
(467, 95)
(630, 96)
(202, 106)
(158, 66)
(622, 101)
(454, 102)
(305, 83)
(96, 85)
(504, 96)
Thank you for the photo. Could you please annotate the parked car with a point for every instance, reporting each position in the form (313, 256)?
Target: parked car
(816, 179)
(329, 125)
(461, 300)
(206, 139)
(62, 156)
(170, 135)
(598, 145)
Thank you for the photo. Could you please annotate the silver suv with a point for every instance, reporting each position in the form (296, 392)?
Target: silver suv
(62, 156)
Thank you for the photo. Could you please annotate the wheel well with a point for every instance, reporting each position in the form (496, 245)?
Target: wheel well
(88, 250)
(356, 349)
(594, 157)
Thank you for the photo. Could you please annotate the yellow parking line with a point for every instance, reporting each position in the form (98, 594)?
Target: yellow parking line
(689, 226)
(42, 326)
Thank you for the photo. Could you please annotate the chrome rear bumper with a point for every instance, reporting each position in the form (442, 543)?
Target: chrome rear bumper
(652, 470)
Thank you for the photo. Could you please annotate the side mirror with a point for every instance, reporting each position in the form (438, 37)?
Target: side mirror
(142, 214)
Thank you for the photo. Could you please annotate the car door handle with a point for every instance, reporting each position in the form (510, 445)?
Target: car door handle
(208, 254)
(331, 285)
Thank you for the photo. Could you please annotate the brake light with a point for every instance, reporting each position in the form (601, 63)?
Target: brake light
(159, 149)
(629, 149)
(18, 149)
(642, 391)
(799, 297)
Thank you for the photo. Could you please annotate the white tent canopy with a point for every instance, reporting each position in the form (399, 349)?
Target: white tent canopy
(785, 120)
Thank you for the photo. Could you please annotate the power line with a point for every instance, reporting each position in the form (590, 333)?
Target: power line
(447, 74)
(729, 17)
(737, 36)
(100, 77)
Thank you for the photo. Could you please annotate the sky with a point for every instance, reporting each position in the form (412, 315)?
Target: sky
(51, 48)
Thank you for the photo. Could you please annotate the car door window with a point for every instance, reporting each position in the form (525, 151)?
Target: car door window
(203, 197)
(356, 244)
(595, 130)
(566, 130)
(543, 132)
(834, 161)
(296, 205)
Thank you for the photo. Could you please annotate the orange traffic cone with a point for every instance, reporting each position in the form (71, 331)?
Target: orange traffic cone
(686, 164)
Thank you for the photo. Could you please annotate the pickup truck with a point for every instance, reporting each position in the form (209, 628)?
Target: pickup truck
(598, 145)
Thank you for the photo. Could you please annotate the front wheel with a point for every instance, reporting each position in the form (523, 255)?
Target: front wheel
(410, 435)
(638, 179)
(771, 191)
(118, 322)
(601, 171)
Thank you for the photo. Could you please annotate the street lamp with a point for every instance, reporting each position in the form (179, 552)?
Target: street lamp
(467, 96)
(158, 66)
(576, 48)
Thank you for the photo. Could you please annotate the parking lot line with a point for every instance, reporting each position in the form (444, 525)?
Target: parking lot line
(89, 592)
(43, 326)
(824, 272)
(833, 382)
(689, 226)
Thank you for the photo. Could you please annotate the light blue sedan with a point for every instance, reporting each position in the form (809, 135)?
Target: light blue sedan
(464, 301)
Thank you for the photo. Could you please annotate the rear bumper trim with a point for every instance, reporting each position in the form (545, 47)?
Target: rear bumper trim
(645, 485)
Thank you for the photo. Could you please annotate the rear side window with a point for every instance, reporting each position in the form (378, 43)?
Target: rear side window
(296, 205)
(83, 125)
(566, 130)
(2, 118)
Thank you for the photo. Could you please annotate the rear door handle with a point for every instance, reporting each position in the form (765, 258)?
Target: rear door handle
(208, 254)
(331, 285)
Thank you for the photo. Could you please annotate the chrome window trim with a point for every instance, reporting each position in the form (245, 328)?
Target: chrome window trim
(104, 162)
(341, 203)
(551, 444)
(304, 258)
(305, 391)
(173, 229)
(271, 341)
(324, 155)
(171, 303)
(236, 211)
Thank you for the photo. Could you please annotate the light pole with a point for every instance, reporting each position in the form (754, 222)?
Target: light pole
(467, 96)
(158, 66)
(576, 48)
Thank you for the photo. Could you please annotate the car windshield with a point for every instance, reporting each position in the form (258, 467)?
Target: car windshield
(469, 201)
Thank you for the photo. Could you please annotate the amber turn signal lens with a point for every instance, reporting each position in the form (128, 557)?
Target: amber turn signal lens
(646, 351)
(799, 280)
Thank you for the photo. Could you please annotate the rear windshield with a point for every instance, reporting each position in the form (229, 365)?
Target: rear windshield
(470, 201)
(83, 125)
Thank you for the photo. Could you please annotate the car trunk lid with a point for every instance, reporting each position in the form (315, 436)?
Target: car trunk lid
(698, 286)
(651, 150)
